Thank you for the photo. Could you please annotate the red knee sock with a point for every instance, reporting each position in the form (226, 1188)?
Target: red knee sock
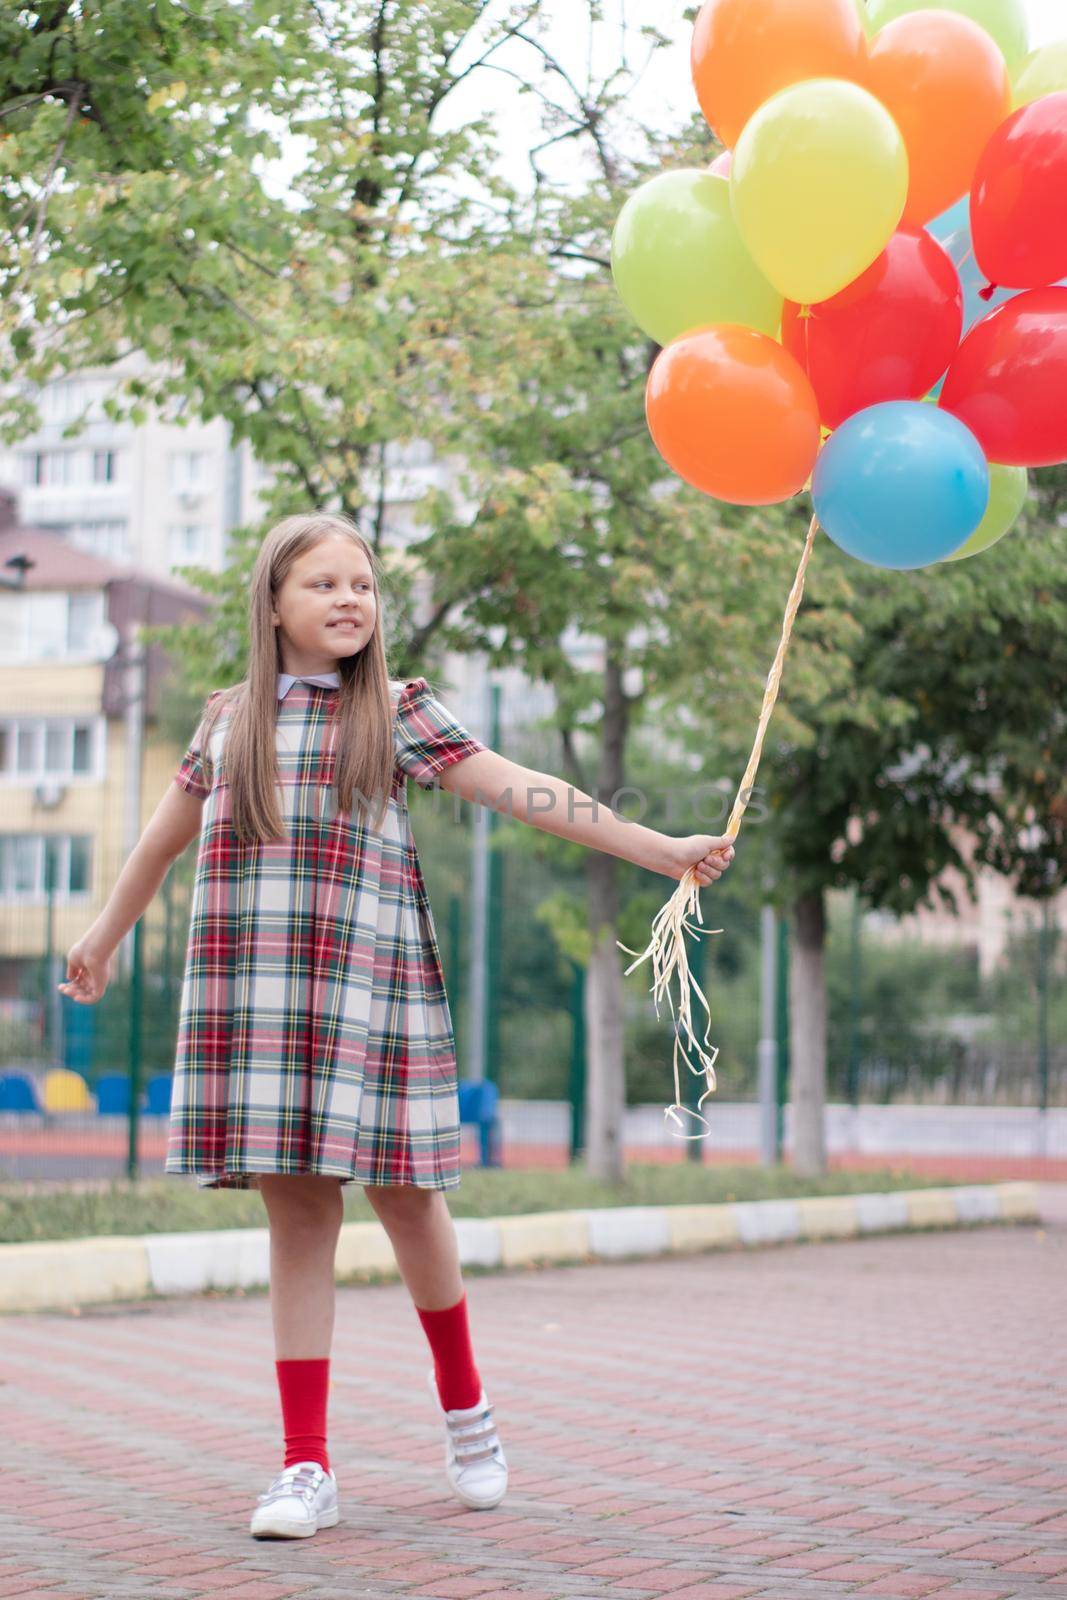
(458, 1383)
(304, 1386)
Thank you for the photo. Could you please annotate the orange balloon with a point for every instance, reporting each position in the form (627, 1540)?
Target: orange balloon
(733, 414)
(946, 86)
(743, 51)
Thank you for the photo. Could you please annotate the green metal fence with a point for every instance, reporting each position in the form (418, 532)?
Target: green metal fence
(967, 1015)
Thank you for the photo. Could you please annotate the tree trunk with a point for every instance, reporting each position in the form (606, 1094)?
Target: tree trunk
(605, 1097)
(605, 1063)
(807, 1035)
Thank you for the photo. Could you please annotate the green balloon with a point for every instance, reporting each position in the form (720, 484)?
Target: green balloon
(1043, 72)
(1004, 19)
(1007, 496)
(679, 261)
(866, 20)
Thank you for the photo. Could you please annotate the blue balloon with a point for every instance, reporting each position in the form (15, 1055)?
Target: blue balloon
(901, 485)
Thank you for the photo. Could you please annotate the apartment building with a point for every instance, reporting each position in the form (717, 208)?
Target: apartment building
(164, 494)
(82, 760)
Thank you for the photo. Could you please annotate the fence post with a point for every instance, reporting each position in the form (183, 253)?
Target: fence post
(1044, 963)
(577, 1072)
(136, 978)
(452, 959)
(495, 916)
(782, 1030)
(767, 1048)
(53, 1016)
(855, 1007)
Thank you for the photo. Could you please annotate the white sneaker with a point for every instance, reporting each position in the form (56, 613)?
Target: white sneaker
(299, 1502)
(474, 1457)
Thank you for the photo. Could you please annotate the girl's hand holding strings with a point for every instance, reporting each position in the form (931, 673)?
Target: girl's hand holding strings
(88, 971)
(707, 854)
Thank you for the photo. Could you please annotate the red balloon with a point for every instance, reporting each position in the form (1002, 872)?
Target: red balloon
(1008, 380)
(888, 336)
(1019, 198)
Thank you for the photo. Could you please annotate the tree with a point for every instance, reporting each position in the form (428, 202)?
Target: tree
(579, 527)
(401, 291)
(949, 748)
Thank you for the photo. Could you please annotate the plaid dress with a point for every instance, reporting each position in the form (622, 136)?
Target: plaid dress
(314, 1034)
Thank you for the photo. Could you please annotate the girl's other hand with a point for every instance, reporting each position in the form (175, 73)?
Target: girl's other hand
(88, 971)
(707, 854)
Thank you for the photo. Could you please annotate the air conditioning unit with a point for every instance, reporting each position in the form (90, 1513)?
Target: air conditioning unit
(48, 795)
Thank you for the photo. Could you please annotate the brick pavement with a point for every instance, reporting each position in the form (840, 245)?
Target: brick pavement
(881, 1417)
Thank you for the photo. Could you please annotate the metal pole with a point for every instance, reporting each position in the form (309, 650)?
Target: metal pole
(53, 998)
(133, 719)
(495, 913)
(855, 1007)
(136, 966)
(782, 1031)
(577, 1073)
(476, 1049)
(1044, 952)
(168, 938)
(452, 979)
(767, 1051)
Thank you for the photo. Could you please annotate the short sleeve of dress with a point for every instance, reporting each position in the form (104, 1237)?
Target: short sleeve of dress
(426, 736)
(191, 775)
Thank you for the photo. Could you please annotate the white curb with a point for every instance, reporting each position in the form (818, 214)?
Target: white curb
(59, 1274)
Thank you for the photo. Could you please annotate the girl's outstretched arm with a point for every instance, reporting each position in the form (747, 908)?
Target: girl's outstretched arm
(173, 825)
(557, 807)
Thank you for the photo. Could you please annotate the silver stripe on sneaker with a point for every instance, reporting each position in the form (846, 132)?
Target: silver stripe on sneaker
(300, 1481)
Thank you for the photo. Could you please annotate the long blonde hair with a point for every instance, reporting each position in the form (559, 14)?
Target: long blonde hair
(363, 731)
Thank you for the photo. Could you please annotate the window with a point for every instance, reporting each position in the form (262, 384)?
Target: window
(187, 542)
(48, 626)
(188, 471)
(56, 749)
(78, 869)
(22, 865)
(49, 468)
(84, 616)
(26, 742)
(105, 466)
(35, 748)
(107, 538)
(33, 863)
(75, 398)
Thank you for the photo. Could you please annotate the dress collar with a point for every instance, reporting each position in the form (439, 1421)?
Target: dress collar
(322, 680)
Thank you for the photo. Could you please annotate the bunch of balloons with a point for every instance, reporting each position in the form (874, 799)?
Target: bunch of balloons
(863, 293)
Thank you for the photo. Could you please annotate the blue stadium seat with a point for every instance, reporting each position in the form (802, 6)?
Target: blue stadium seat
(17, 1093)
(113, 1095)
(159, 1094)
(478, 1102)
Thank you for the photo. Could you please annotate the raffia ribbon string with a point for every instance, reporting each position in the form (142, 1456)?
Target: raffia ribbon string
(673, 921)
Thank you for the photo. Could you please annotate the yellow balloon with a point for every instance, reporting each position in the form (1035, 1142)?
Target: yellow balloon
(1043, 72)
(818, 186)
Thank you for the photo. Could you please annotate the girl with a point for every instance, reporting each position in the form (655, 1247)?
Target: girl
(315, 1045)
